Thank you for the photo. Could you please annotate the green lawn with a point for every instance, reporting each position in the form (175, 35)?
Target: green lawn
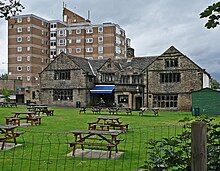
(44, 146)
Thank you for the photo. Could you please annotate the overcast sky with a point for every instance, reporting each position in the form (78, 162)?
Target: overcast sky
(152, 26)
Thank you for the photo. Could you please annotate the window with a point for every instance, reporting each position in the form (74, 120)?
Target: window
(136, 79)
(100, 57)
(28, 78)
(108, 77)
(100, 39)
(125, 79)
(28, 39)
(170, 77)
(19, 77)
(89, 30)
(171, 62)
(19, 49)
(70, 41)
(78, 40)
(89, 40)
(122, 99)
(42, 32)
(19, 39)
(165, 101)
(28, 58)
(19, 20)
(90, 49)
(28, 48)
(19, 58)
(78, 31)
(69, 50)
(28, 68)
(53, 43)
(62, 95)
(19, 29)
(70, 32)
(100, 29)
(62, 42)
(62, 32)
(100, 49)
(53, 34)
(53, 53)
(28, 29)
(62, 75)
(28, 19)
(53, 25)
(19, 68)
(78, 50)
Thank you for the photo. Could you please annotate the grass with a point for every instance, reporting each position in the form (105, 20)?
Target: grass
(44, 146)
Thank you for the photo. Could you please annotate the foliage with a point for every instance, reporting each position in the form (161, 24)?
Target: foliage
(6, 94)
(4, 77)
(212, 12)
(10, 8)
(214, 84)
(174, 153)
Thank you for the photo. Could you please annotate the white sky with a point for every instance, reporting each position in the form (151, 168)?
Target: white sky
(153, 26)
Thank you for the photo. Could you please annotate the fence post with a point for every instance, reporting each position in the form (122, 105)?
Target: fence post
(199, 146)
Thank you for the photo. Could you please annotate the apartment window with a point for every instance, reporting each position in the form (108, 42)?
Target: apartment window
(70, 41)
(28, 29)
(28, 58)
(42, 23)
(19, 58)
(53, 43)
(100, 29)
(78, 50)
(53, 34)
(70, 32)
(53, 53)
(19, 29)
(78, 31)
(69, 50)
(53, 25)
(19, 68)
(28, 19)
(62, 95)
(100, 57)
(28, 39)
(117, 50)
(90, 49)
(42, 41)
(100, 49)
(28, 48)
(19, 39)
(62, 42)
(62, 75)
(28, 68)
(28, 78)
(42, 32)
(171, 62)
(125, 79)
(165, 101)
(78, 40)
(61, 50)
(19, 49)
(170, 77)
(89, 40)
(19, 20)
(62, 32)
(19, 77)
(100, 39)
(89, 30)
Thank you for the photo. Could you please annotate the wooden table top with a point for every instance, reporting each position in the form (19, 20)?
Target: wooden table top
(111, 132)
(109, 117)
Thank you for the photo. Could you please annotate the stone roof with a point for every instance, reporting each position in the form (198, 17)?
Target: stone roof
(91, 66)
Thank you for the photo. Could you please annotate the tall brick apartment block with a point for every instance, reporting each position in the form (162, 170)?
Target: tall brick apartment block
(34, 42)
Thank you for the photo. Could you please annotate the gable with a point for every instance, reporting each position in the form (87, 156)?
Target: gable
(108, 67)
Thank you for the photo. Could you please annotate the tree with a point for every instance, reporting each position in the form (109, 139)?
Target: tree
(213, 14)
(214, 84)
(4, 77)
(6, 94)
(10, 8)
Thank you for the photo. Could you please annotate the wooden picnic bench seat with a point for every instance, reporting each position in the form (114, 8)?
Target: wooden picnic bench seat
(82, 109)
(128, 111)
(96, 110)
(34, 120)
(101, 125)
(12, 120)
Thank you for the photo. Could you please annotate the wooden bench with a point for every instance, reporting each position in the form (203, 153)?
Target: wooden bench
(34, 120)
(102, 126)
(96, 110)
(155, 111)
(82, 109)
(12, 120)
(128, 111)
(122, 126)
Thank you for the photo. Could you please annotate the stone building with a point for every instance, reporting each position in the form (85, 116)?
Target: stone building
(165, 81)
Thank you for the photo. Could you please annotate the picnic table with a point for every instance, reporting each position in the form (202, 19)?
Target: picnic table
(96, 109)
(145, 109)
(108, 122)
(113, 110)
(41, 109)
(96, 138)
(29, 116)
(7, 132)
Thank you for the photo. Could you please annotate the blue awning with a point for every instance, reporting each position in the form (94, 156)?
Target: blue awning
(102, 89)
